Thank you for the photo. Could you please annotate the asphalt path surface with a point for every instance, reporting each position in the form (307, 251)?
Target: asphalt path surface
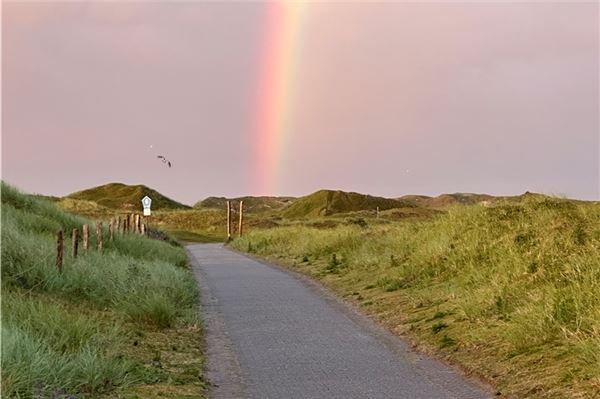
(273, 334)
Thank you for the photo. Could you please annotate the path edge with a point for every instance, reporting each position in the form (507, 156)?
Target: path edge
(400, 345)
(222, 370)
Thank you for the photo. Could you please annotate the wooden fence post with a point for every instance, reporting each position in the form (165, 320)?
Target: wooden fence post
(240, 227)
(138, 227)
(59, 250)
(86, 238)
(118, 224)
(110, 229)
(377, 212)
(74, 242)
(99, 235)
(143, 227)
(131, 222)
(228, 221)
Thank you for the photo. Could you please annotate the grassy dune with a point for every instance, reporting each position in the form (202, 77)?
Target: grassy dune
(100, 327)
(329, 202)
(123, 196)
(511, 292)
(251, 204)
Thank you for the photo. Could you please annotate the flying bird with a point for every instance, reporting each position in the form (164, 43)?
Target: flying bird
(164, 160)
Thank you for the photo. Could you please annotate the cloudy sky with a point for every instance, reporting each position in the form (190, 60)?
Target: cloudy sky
(384, 98)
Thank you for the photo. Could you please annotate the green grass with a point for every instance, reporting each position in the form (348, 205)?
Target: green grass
(67, 333)
(508, 291)
(206, 225)
(185, 225)
(328, 202)
(187, 236)
(48, 350)
(251, 204)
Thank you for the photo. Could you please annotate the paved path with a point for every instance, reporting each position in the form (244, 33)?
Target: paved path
(272, 334)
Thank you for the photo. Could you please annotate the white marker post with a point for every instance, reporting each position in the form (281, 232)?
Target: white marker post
(146, 203)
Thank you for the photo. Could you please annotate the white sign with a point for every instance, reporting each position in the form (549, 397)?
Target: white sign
(146, 203)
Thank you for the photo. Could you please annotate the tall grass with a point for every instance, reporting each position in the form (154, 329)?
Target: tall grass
(48, 351)
(47, 348)
(524, 278)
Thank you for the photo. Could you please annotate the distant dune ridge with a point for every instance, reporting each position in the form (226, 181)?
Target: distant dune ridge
(446, 200)
(318, 204)
(329, 202)
(123, 196)
(251, 204)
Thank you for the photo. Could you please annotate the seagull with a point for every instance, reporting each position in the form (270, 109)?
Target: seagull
(164, 160)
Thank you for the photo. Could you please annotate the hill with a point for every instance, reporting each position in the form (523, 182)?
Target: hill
(123, 196)
(251, 204)
(447, 200)
(329, 202)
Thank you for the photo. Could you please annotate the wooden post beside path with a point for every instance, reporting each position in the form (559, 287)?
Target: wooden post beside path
(74, 242)
(241, 224)
(228, 221)
(86, 238)
(59, 250)
(99, 235)
(111, 226)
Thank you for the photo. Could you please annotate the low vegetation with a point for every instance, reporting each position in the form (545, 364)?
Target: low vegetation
(507, 287)
(110, 324)
(251, 204)
(123, 196)
(328, 202)
(508, 291)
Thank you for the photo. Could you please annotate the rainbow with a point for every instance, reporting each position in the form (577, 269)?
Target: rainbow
(275, 90)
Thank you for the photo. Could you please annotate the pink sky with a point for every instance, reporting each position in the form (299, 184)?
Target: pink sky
(389, 98)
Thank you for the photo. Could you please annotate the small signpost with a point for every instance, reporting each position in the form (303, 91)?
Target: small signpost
(146, 202)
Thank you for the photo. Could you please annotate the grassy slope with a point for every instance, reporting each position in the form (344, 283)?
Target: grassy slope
(122, 196)
(208, 225)
(113, 323)
(510, 292)
(447, 200)
(328, 202)
(251, 204)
